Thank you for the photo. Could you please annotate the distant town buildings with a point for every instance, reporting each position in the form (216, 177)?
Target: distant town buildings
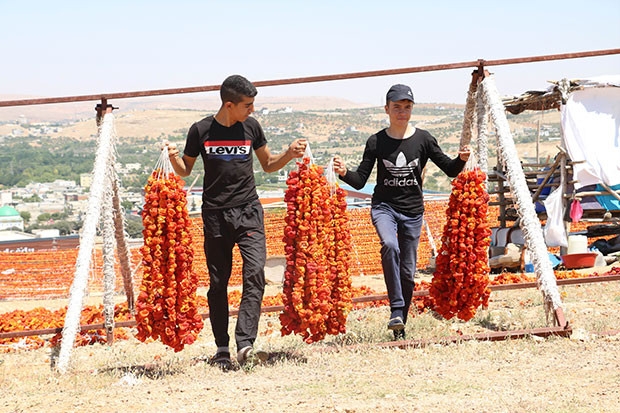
(60, 196)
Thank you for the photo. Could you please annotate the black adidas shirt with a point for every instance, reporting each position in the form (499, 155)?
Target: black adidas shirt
(400, 163)
(227, 156)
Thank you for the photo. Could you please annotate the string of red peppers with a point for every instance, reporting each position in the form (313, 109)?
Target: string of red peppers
(460, 282)
(317, 282)
(166, 307)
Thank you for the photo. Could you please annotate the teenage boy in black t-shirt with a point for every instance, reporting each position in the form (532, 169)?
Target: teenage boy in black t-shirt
(231, 211)
(401, 152)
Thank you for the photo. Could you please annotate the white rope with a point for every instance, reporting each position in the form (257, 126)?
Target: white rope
(330, 175)
(163, 166)
(530, 224)
(431, 240)
(109, 276)
(470, 107)
(308, 153)
(482, 148)
(105, 148)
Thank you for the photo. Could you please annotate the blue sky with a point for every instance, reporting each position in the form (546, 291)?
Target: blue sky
(65, 48)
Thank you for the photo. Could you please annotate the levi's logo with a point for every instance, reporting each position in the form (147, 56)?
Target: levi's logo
(228, 150)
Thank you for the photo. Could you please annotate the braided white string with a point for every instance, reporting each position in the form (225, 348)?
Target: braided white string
(530, 224)
(470, 107)
(104, 155)
(482, 147)
(109, 277)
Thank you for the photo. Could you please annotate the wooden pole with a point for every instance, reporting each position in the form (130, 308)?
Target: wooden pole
(538, 143)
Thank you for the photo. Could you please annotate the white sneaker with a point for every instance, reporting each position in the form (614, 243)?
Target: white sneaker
(247, 355)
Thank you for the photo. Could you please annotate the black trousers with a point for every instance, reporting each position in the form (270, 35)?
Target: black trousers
(243, 226)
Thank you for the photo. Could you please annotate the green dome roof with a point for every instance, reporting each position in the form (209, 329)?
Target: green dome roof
(8, 211)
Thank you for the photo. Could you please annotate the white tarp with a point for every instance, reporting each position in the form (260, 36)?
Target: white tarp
(591, 129)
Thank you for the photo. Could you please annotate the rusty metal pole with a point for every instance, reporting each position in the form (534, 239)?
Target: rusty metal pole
(320, 78)
(103, 108)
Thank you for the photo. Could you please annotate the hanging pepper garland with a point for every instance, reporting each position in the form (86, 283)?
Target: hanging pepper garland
(460, 282)
(317, 282)
(339, 254)
(166, 306)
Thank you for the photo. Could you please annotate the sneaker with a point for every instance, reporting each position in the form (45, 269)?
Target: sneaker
(248, 356)
(396, 323)
(222, 360)
(399, 334)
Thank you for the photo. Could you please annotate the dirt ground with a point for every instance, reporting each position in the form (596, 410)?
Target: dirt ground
(354, 372)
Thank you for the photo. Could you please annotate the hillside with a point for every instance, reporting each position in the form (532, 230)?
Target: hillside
(332, 126)
(61, 112)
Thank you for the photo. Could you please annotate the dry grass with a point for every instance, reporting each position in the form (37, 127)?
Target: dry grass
(351, 373)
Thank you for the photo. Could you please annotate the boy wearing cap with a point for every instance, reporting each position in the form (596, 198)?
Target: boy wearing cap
(401, 152)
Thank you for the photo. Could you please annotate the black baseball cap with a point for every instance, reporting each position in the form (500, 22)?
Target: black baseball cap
(399, 92)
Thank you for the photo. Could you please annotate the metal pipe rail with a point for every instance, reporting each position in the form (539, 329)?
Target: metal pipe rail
(310, 79)
(279, 308)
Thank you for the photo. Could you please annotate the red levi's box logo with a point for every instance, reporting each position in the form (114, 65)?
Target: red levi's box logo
(228, 149)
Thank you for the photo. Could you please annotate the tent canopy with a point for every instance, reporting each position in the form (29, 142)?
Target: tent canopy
(590, 124)
(556, 94)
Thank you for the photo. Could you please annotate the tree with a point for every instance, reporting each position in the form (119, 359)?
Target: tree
(44, 217)
(33, 198)
(26, 215)
(127, 205)
(133, 226)
(56, 216)
(64, 227)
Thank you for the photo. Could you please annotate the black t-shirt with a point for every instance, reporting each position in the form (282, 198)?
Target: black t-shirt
(400, 163)
(227, 157)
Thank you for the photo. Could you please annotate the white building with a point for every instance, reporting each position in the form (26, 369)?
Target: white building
(10, 218)
(6, 197)
(86, 180)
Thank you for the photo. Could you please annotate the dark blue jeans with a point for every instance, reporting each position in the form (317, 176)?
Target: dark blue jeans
(399, 235)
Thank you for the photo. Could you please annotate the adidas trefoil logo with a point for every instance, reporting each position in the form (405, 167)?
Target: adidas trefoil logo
(400, 170)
